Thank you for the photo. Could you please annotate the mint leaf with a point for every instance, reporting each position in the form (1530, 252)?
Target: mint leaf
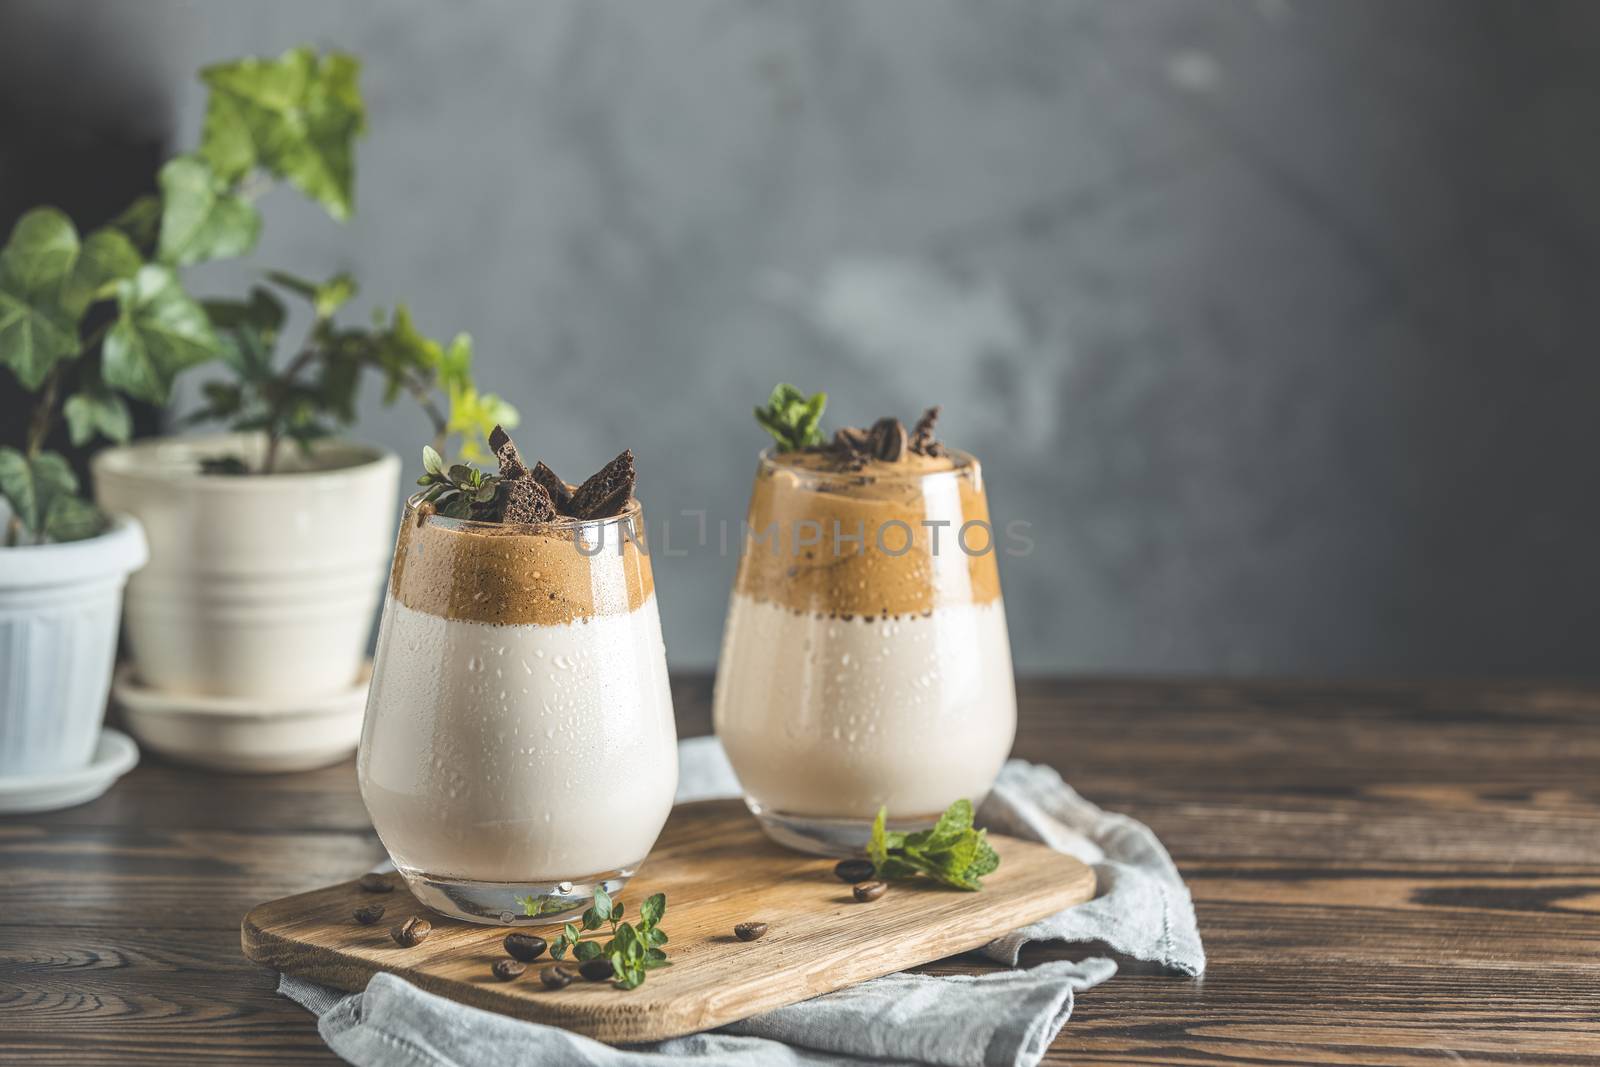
(432, 462)
(586, 950)
(793, 419)
(653, 908)
(200, 217)
(159, 332)
(951, 851)
(602, 899)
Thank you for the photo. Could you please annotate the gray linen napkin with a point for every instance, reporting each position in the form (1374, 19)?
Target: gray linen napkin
(1004, 1019)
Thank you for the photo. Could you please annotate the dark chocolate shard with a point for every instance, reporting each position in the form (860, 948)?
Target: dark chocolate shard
(923, 442)
(559, 491)
(505, 450)
(607, 492)
(525, 501)
(888, 440)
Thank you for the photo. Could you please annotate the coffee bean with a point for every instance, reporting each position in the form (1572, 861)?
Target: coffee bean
(556, 977)
(525, 947)
(369, 914)
(853, 871)
(869, 891)
(596, 970)
(749, 931)
(507, 970)
(375, 883)
(412, 932)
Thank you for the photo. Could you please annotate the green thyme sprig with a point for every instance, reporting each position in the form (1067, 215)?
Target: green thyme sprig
(455, 490)
(952, 852)
(792, 418)
(632, 949)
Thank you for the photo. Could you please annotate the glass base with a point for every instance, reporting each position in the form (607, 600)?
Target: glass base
(824, 835)
(500, 903)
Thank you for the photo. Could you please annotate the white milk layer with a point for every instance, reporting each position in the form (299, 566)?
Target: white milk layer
(824, 716)
(521, 753)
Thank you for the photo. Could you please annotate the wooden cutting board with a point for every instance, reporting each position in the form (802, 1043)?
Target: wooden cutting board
(717, 870)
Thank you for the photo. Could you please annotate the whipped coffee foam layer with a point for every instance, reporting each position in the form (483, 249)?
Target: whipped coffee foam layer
(858, 544)
(823, 716)
(518, 753)
(493, 573)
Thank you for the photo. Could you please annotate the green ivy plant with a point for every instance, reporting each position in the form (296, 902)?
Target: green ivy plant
(89, 321)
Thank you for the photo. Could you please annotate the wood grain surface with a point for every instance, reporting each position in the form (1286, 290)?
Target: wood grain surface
(717, 870)
(1384, 873)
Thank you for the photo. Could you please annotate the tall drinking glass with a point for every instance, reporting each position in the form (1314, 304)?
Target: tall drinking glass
(519, 740)
(865, 661)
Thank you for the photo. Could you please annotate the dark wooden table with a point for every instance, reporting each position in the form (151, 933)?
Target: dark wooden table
(1383, 873)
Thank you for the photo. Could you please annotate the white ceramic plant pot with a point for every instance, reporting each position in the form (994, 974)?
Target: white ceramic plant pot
(58, 637)
(261, 587)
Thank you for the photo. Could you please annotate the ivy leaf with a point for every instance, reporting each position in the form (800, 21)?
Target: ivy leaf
(33, 487)
(297, 116)
(33, 337)
(39, 255)
(159, 332)
(107, 256)
(140, 222)
(225, 141)
(200, 218)
(72, 518)
(36, 331)
(97, 409)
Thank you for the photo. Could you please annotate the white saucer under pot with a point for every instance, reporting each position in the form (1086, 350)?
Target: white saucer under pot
(114, 755)
(59, 604)
(236, 734)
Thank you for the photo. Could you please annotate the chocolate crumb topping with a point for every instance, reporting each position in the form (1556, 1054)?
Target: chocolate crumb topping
(539, 495)
(850, 439)
(560, 492)
(608, 491)
(923, 443)
(852, 447)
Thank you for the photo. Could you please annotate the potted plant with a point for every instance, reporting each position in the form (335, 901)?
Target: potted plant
(269, 542)
(63, 562)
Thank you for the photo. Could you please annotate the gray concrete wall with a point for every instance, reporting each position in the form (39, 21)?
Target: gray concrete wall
(1277, 320)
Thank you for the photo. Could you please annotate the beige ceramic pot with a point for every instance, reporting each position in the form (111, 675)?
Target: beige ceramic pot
(258, 587)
